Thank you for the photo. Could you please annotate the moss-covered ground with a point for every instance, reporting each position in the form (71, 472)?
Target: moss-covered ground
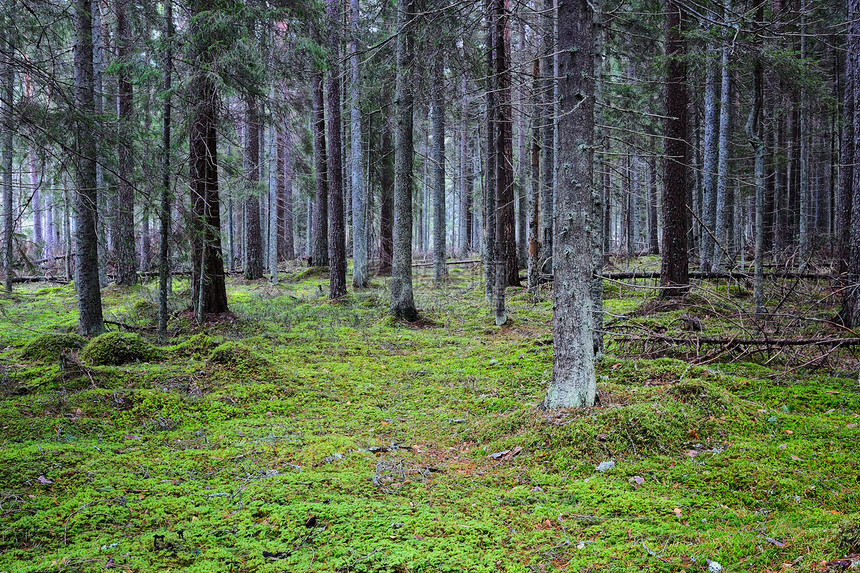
(304, 435)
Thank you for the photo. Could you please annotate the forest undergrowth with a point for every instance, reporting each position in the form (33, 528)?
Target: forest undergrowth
(297, 434)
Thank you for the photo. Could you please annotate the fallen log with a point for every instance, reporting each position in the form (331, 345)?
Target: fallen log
(732, 342)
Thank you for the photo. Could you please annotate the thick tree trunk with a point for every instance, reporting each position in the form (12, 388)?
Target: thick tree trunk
(753, 132)
(490, 211)
(402, 303)
(319, 256)
(253, 230)
(208, 288)
(386, 215)
(164, 212)
(90, 321)
(505, 192)
(466, 224)
(126, 264)
(440, 269)
(274, 198)
(851, 303)
(723, 206)
(533, 275)
(547, 121)
(102, 224)
(360, 274)
(337, 222)
(804, 234)
(709, 160)
(573, 382)
(675, 267)
(846, 168)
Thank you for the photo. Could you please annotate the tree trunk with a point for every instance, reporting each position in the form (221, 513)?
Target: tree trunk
(490, 211)
(709, 160)
(286, 214)
(573, 381)
(851, 303)
(164, 212)
(547, 122)
(208, 289)
(466, 182)
(533, 275)
(126, 264)
(846, 168)
(337, 222)
(253, 230)
(274, 198)
(402, 303)
(386, 215)
(359, 199)
(803, 136)
(440, 269)
(319, 256)
(675, 267)
(8, 131)
(505, 192)
(90, 320)
(653, 234)
(753, 131)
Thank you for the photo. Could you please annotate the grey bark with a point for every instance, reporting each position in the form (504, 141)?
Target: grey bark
(359, 199)
(803, 136)
(710, 155)
(850, 313)
(573, 376)
(440, 269)
(548, 135)
(90, 321)
(753, 132)
(490, 212)
(653, 233)
(402, 302)
(102, 226)
(273, 196)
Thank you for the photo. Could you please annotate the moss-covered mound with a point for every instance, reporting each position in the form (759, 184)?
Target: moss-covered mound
(848, 537)
(50, 346)
(235, 354)
(116, 348)
(198, 346)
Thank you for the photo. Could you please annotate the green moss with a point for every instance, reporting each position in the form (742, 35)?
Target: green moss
(198, 346)
(236, 354)
(117, 348)
(50, 346)
(311, 273)
(848, 535)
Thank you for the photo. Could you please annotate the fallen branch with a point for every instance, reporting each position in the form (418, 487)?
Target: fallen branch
(733, 342)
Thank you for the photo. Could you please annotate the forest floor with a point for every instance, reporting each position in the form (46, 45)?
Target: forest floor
(298, 435)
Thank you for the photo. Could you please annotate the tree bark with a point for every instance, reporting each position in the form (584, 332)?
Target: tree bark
(319, 256)
(90, 321)
(253, 230)
(846, 168)
(126, 264)
(402, 302)
(360, 273)
(675, 266)
(548, 132)
(208, 288)
(8, 130)
(573, 382)
(709, 160)
(164, 212)
(337, 222)
(386, 216)
(440, 269)
(850, 312)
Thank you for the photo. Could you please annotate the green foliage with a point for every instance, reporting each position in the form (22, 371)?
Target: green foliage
(384, 432)
(50, 346)
(117, 348)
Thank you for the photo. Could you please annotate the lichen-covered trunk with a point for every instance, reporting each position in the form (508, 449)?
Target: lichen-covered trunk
(653, 234)
(547, 121)
(846, 169)
(402, 302)
(573, 382)
(533, 275)
(360, 274)
(466, 219)
(286, 216)
(337, 222)
(490, 212)
(710, 154)
(851, 303)
(674, 269)
(505, 195)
